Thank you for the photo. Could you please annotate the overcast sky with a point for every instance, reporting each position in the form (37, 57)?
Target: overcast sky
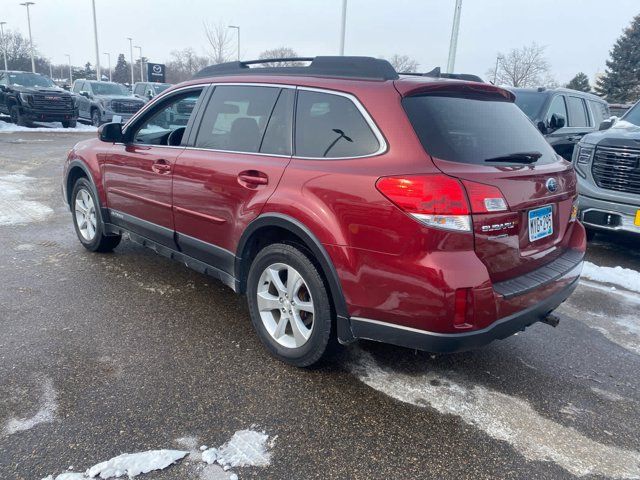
(578, 34)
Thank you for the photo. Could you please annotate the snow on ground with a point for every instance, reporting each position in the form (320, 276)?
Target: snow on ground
(133, 464)
(623, 277)
(503, 417)
(247, 448)
(14, 209)
(46, 413)
(6, 127)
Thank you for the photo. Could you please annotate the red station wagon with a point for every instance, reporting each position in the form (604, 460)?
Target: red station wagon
(345, 200)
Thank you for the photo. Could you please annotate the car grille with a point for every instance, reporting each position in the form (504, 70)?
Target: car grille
(53, 102)
(124, 106)
(617, 169)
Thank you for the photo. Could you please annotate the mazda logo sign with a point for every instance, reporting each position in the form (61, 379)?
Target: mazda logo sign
(157, 69)
(552, 185)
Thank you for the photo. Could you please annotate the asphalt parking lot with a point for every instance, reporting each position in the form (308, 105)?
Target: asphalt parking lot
(128, 352)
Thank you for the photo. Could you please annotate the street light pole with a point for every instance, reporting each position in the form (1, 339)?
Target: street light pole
(343, 28)
(95, 37)
(238, 29)
(495, 72)
(4, 47)
(109, 63)
(33, 62)
(141, 64)
(453, 44)
(70, 69)
(131, 58)
(50, 70)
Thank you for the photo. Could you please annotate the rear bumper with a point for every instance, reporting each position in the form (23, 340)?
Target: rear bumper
(455, 342)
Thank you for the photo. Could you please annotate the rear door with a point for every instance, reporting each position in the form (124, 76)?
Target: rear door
(235, 161)
(138, 173)
(475, 138)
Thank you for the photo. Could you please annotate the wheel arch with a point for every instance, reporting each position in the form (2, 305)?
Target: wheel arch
(78, 169)
(271, 222)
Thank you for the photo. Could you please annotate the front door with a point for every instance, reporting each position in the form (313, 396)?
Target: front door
(138, 174)
(241, 150)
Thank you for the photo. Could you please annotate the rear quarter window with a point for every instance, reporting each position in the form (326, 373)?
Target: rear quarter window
(331, 126)
(471, 130)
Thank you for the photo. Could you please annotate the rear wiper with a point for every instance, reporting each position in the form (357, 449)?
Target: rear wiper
(522, 157)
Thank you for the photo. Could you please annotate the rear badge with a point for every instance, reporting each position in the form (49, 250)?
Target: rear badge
(497, 227)
(552, 185)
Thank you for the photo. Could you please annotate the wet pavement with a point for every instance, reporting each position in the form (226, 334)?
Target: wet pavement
(126, 352)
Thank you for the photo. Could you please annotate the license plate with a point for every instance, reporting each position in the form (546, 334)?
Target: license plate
(540, 223)
(637, 220)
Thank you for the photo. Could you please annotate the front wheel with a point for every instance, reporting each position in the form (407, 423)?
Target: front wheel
(70, 123)
(87, 219)
(289, 305)
(17, 117)
(95, 118)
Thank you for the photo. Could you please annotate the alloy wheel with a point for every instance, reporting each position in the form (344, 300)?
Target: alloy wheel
(285, 305)
(85, 214)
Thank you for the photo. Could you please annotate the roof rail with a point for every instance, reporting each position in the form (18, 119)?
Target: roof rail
(326, 66)
(436, 73)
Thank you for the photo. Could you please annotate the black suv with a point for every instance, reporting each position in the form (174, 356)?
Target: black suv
(30, 97)
(563, 116)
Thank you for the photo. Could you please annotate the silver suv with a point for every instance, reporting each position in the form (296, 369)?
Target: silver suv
(101, 102)
(608, 167)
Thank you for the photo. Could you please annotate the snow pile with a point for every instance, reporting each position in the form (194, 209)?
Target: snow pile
(6, 127)
(502, 417)
(45, 414)
(247, 448)
(133, 464)
(623, 277)
(14, 209)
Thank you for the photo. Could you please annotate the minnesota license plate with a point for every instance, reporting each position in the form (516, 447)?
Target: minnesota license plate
(540, 223)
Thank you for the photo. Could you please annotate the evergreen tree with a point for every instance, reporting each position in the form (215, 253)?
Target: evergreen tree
(121, 73)
(621, 81)
(580, 82)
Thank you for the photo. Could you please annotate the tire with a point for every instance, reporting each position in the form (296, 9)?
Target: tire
(17, 117)
(90, 232)
(70, 123)
(295, 346)
(96, 121)
(591, 234)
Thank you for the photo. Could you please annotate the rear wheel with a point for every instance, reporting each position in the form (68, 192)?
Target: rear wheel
(87, 219)
(289, 305)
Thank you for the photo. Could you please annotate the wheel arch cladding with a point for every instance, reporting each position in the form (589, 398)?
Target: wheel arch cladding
(273, 227)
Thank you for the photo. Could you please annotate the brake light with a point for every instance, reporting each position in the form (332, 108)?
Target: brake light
(485, 198)
(435, 200)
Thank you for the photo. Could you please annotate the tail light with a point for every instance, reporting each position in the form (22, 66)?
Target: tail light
(441, 201)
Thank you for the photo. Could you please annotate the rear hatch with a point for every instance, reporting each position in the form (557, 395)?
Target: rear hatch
(475, 133)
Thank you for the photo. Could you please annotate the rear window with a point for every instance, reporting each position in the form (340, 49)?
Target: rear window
(470, 130)
(599, 111)
(577, 112)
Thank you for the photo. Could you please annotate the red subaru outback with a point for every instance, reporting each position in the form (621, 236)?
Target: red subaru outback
(344, 200)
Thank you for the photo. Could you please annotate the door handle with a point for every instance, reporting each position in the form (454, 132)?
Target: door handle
(161, 166)
(252, 178)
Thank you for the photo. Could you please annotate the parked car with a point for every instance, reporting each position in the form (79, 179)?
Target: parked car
(30, 97)
(562, 115)
(608, 167)
(99, 102)
(147, 90)
(345, 201)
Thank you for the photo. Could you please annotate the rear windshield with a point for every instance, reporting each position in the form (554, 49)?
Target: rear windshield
(471, 130)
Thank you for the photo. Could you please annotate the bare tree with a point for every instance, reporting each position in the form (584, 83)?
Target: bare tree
(280, 52)
(522, 67)
(184, 64)
(403, 63)
(220, 42)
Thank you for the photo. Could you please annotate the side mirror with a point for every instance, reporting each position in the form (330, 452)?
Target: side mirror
(606, 124)
(85, 94)
(149, 95)
(110, 132)
(556, 122)
(542, 127)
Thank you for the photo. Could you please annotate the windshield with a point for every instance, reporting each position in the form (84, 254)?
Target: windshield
(30, 80)
(104, 88)
(160, 87)
(472, 130)
(633, 115)
(530, 103)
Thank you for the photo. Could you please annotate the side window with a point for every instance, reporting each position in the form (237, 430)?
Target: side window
(166, 124)
(329, 125)
(557, 106)
(278, 135)
(599, 111)
(577, 112)
(236, 118)
(77, 86)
